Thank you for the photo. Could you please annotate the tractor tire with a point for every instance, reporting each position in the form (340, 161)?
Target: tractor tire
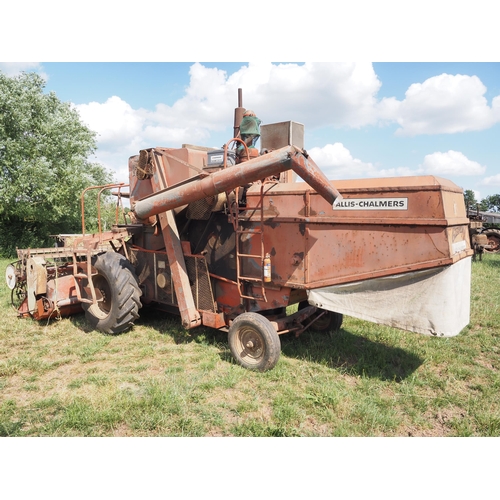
(329, 322)
(120, 304)
(254, 342)
(493, 236)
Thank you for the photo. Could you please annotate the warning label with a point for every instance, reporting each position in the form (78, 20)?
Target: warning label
(372, 204)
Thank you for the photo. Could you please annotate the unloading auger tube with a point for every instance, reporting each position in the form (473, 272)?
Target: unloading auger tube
(197, 188)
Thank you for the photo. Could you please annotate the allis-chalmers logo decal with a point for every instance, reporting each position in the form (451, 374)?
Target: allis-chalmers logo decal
(372, 204)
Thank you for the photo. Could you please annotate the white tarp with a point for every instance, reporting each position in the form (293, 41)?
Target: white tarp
(433, 301)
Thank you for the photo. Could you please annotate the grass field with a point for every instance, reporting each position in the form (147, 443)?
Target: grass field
(63, 379)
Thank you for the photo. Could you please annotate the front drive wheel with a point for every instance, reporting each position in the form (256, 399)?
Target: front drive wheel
(254, 342)
(118, 294)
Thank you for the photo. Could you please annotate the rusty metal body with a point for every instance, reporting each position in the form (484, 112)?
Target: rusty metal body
(315, 244)
(201, 239)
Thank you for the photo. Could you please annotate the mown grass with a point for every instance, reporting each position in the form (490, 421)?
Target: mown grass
(64, 379)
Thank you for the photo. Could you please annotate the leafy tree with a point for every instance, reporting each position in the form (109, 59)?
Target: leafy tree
(470, 198)
(44, 166)
(491, 203)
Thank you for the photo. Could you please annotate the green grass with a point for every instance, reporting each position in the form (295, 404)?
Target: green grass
(64, 379)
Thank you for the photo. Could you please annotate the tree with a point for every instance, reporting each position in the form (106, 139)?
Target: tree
(491, 203)
(470, 198)
(44, 166)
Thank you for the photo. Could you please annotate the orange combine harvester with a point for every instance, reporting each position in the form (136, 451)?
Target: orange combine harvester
(228, 239)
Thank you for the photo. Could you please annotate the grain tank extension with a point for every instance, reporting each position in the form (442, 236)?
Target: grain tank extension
(228, 239)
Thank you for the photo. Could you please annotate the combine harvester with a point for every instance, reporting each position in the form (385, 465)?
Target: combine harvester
(226, 239)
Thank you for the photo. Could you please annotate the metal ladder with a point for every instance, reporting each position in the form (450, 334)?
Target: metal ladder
(244, 281)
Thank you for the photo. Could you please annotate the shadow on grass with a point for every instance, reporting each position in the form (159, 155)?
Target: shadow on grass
(150, 318)
(170, 324)
(352, 354)
(342, 351)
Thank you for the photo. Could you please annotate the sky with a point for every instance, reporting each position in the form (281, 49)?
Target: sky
(361, 119)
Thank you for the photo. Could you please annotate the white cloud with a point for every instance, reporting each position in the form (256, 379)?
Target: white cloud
(443, 104)
(337, 162)
(398, 172)
(118, 124)
(115, 121)
(493, 180)
(339, 94)
(451, 163)
(208, 103)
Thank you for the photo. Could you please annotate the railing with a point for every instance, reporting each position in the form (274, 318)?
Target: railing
(102, 188)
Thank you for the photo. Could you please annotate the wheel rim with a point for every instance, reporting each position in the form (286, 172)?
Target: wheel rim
(322, 323)
(494, 242)
(250, 345)
(103, 306)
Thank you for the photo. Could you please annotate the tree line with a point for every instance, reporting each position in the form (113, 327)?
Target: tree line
(489, 204)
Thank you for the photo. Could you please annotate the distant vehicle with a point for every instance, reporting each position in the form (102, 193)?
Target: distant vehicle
(484, 230)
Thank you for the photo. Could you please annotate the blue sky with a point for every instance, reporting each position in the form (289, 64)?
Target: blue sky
(361, 119)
